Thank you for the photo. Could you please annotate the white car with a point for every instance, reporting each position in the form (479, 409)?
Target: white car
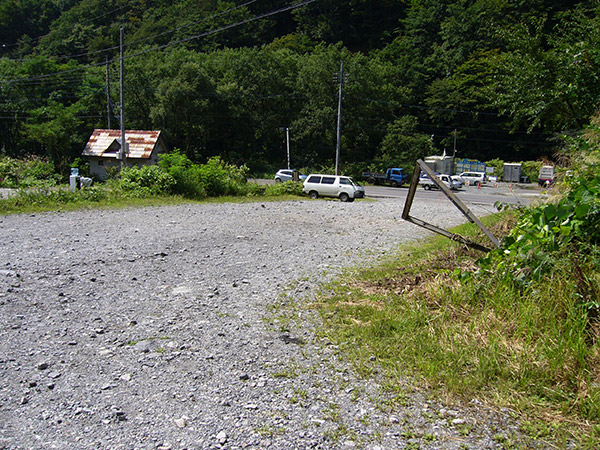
(287, 175)
(470, 178)
(428, 183)
(344, 188)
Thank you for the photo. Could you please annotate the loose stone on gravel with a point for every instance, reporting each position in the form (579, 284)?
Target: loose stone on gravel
(155, 328)
(222, 438)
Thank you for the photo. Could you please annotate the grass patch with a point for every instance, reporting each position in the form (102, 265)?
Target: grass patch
(58, 199)
(253, 199)
(102, 197)
(530, 348)
(290, 371)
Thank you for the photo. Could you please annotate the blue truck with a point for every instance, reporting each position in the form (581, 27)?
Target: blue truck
(394, 176)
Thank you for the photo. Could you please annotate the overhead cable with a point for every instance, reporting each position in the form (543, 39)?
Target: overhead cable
(170, 44)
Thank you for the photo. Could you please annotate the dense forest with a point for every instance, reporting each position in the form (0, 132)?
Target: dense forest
(483, 79)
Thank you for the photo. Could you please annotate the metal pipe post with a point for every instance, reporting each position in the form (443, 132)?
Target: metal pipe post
(339, 122)
(287, 139)
(122, 151)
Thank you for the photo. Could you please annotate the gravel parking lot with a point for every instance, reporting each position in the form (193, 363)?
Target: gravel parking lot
(151, 329)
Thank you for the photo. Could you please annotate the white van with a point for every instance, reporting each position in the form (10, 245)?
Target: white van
(344, 188)
(471, 178)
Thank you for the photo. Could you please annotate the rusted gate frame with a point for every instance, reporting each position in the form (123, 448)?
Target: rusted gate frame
(453, 198)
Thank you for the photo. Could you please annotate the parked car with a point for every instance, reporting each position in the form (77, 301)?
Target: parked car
(471, 178)
(287, 175)
(344, 188)
(428, 183)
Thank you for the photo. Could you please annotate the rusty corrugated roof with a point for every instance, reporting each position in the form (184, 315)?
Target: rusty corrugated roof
(107, 143)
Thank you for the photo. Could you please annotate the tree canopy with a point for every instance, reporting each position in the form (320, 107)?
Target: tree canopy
(225, 77)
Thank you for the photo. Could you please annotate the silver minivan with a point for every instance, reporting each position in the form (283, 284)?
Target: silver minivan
(344, 188)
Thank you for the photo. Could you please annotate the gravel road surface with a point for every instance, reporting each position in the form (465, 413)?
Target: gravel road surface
(151, 329)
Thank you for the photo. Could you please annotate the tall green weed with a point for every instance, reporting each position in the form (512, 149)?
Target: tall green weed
(25, 173)
(213, 179)
(285, 188)
(546, 232)
(146, 181)
(549, 263)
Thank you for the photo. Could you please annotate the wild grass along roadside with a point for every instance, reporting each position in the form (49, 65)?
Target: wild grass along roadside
(529, 348)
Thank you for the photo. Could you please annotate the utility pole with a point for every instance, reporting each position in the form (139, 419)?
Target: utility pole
(123, 150)
(107, 95)
(287, 143)
(287, 140)
(339, 121)
(454, 155)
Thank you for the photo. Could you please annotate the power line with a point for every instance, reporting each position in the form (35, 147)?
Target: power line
(223, 28)
(113, 48)
(39, 38)
(170, 44)
(428, 108)
(441, 127)
(506, 141)
(429, 128)
(174, 30)
(48, 87)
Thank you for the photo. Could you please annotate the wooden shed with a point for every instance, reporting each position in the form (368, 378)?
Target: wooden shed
(103, 148)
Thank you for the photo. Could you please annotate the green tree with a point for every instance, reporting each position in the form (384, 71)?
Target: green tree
(26, 19)
(85, 30)
(403, 145)
(182, 103)
(361, 25)
(40, 93)
(53, 128)
(481, 67)
(371, 99)
(550, 83)
(254, 99)
(414, 44)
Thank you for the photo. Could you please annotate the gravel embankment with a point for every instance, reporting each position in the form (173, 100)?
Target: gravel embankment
(151, 329)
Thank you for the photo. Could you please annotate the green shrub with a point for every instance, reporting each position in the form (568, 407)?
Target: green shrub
(185, 174)
(255, 190)
(146, 181)
(213, 179)
(547, 273)
(113, 172)
(285, 188)
(498, 166)
(30, 172)
(546, 232)
(95, 194)
(531, 169)
(8, 172)
(39, 198)
(219, 178)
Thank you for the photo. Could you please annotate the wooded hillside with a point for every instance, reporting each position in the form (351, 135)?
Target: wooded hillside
(507, 79)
